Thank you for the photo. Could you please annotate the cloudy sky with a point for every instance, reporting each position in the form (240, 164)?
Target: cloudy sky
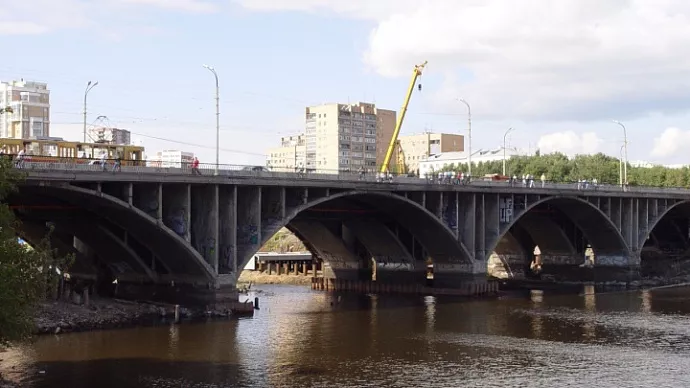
(558, 71)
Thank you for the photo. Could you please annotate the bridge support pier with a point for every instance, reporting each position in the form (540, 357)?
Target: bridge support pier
(188, 295)
(459, 275)
(618, 268)
(400, 273)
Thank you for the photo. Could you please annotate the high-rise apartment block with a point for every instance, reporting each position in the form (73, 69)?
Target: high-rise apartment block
(110, 135)
(342, 137)
(290, 156)
(30, 105)
(416, 148)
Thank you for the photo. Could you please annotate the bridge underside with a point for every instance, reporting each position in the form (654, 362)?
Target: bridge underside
(188, 242)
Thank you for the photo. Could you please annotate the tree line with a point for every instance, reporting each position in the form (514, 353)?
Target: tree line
(557, 167)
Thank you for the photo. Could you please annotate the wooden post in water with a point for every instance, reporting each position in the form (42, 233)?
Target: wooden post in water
(177, 313)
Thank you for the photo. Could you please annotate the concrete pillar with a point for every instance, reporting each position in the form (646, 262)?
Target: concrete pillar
(249, 235)
(177, 209)
(204, 222)
(227, 239)
(147, 197)
(467, 221)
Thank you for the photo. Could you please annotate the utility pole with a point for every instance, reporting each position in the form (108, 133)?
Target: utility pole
(215, 75)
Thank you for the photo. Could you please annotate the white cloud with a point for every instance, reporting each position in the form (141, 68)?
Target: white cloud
(196, 6)
(671, 142)
(531, 59)
(29, 17)
(570, 143)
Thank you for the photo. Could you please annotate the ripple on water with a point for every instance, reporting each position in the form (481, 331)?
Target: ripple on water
(308, 339)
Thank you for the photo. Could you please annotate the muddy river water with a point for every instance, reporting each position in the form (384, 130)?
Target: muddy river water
(304, 338)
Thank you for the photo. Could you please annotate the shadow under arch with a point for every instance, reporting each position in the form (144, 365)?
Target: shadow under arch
(595, 226)
(682, 207)
(157, 237)
(438, 240)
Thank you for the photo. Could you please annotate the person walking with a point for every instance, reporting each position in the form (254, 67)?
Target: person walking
(118, 164)
(195, 166)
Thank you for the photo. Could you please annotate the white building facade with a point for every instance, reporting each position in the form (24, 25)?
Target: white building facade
(437, 162)
(171, 159)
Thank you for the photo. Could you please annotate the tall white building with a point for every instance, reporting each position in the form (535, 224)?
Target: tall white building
(171, 159)
(30, 104)
(342, 137)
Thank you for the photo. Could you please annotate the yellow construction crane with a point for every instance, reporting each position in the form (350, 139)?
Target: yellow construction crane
(402, 167)
(394, 140)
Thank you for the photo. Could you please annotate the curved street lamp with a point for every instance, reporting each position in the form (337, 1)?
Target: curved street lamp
(90, 85)
(625, 147)
(511, 129)
(469, 140)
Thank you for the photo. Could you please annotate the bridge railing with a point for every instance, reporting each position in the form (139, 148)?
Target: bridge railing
(244, 171)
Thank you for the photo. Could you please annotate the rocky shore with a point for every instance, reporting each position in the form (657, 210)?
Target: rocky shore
(55, 317)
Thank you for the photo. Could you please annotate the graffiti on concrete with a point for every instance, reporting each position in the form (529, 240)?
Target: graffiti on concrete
(449, 217)
(250, 233)
(226, 256)
(207, 248)
(177, 221)
(151, 207)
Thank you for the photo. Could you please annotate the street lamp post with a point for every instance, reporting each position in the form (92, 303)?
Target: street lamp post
(625, 147)
(212, 70)
(504, 148)
(90, 85)
(620, 166)
(469, 140)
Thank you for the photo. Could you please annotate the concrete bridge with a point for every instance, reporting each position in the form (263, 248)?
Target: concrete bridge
(171, 235)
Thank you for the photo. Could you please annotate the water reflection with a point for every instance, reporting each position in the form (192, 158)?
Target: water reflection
(303, 338)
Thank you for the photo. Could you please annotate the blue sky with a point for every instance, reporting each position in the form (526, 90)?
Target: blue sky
(551, 72)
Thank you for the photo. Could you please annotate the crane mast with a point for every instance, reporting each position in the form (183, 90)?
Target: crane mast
(394, 140)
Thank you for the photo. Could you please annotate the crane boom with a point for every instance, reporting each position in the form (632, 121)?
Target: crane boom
(391, 147)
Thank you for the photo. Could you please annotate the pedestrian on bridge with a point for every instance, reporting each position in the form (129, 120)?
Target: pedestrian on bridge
(118, 163)
(195, 166)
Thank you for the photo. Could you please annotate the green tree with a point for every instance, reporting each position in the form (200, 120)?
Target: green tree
(27, 275)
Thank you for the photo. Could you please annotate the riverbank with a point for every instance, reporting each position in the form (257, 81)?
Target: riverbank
(257, 277)
(55, 317)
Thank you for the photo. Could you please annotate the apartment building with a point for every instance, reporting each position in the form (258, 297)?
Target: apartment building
(110, 135)
(30, 104)
(171, 159)
(289, 156)
(416, 148)
(342, 137)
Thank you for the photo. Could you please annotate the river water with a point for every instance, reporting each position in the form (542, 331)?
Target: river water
(304, 338)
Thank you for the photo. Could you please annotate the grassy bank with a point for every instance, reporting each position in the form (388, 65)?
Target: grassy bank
(263, 278)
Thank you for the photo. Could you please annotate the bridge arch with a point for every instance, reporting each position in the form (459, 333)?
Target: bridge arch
(664, 241)
(682, 207)
(438, 240)
(158, 238)
(553, 245)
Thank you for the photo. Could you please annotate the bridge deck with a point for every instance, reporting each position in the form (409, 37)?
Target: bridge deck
(64, 172)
